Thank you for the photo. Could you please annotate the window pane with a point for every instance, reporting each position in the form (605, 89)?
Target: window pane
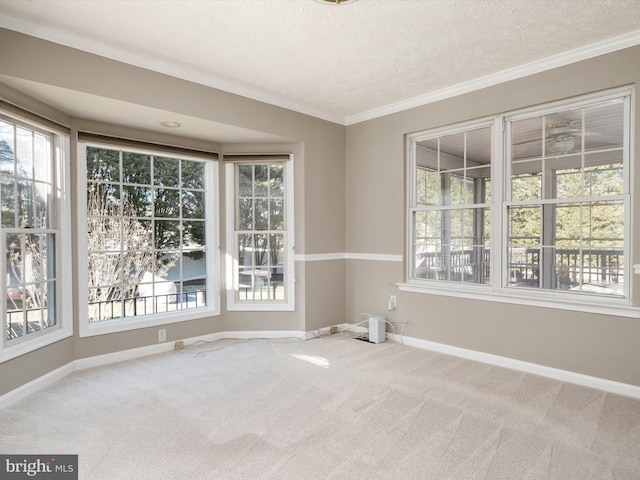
(192, 204)
(261, 179)
(137, 201)
(276, 174)
(192, 174)
(136, 168)
(193, 234)
(103, 164)
(7, 197)
(262, 214)
(276, 213)
(527, 186)
(245, 180)
(41, 158)
(525, 225)
(428, 190)
(166, 171)
(24, 153)
(167, 203)
(524, 265)
(602, 180)
(167, 234)
(245, 214)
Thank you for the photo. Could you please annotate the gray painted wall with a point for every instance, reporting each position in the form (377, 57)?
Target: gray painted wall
(319, 148)
(597, 345)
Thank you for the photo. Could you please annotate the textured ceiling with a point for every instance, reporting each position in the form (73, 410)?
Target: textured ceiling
(335, 61)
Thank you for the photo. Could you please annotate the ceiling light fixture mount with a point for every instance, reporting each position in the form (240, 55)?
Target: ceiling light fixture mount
(170, 124)
(335, 2)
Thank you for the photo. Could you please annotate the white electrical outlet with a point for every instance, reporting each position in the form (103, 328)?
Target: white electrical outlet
(391, 304)
(162, 335)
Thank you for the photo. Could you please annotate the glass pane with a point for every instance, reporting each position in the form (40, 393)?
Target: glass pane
(276, 173)
(41, 158)
(167, 234)
(276, 213)
(261, 253)
(167, 203)
(568, 220)
(7, 198)
(262, 214)
(42, 195)
(104, 234)
(103, 164)
(527, 138)
(166, 171)
(24, 152)
(524, 266)
(602, 180)
(137, 201)
(261, 180)
(6, 148)
(26, 207)
(604, 225)
(194, 264)
(136, 168)
(103, 199)
(427, 244)
(527, 186)
(137, 234)
(192, 204)
(49, 317)
(193, 234)
(525, 225)
(428, 187)
(192, 174)
(563, 132)
(245, 214)
(16, 319)
(604, 126)
(569, 183)
(245, 180)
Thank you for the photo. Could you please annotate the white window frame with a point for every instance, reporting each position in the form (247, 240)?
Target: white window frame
(497, 290)
(61, 214)
(212, 234)
(231, 265)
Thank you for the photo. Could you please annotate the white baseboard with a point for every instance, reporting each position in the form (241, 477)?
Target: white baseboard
(533, 368)
(33, 386)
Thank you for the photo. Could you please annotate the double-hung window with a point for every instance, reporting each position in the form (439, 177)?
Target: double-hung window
(34, 216)
(259, 232)
(150, 230)
(533, 205)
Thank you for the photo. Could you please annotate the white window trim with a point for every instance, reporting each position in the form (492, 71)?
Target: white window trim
(231, 264)
(496, 292)
(64, 295)
(212, 234)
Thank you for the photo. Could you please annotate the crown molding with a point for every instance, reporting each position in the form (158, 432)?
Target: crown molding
(561, 59)
(103, 49)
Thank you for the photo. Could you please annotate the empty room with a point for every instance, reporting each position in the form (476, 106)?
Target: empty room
(320, 239)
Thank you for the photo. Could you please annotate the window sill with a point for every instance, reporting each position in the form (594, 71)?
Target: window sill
(123, 325)
(615, 307)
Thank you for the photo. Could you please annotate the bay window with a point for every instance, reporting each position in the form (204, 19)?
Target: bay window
(34, 222)
(259, 232)
(149, 236)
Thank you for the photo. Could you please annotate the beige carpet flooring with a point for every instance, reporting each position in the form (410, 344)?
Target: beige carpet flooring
(328, 408)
